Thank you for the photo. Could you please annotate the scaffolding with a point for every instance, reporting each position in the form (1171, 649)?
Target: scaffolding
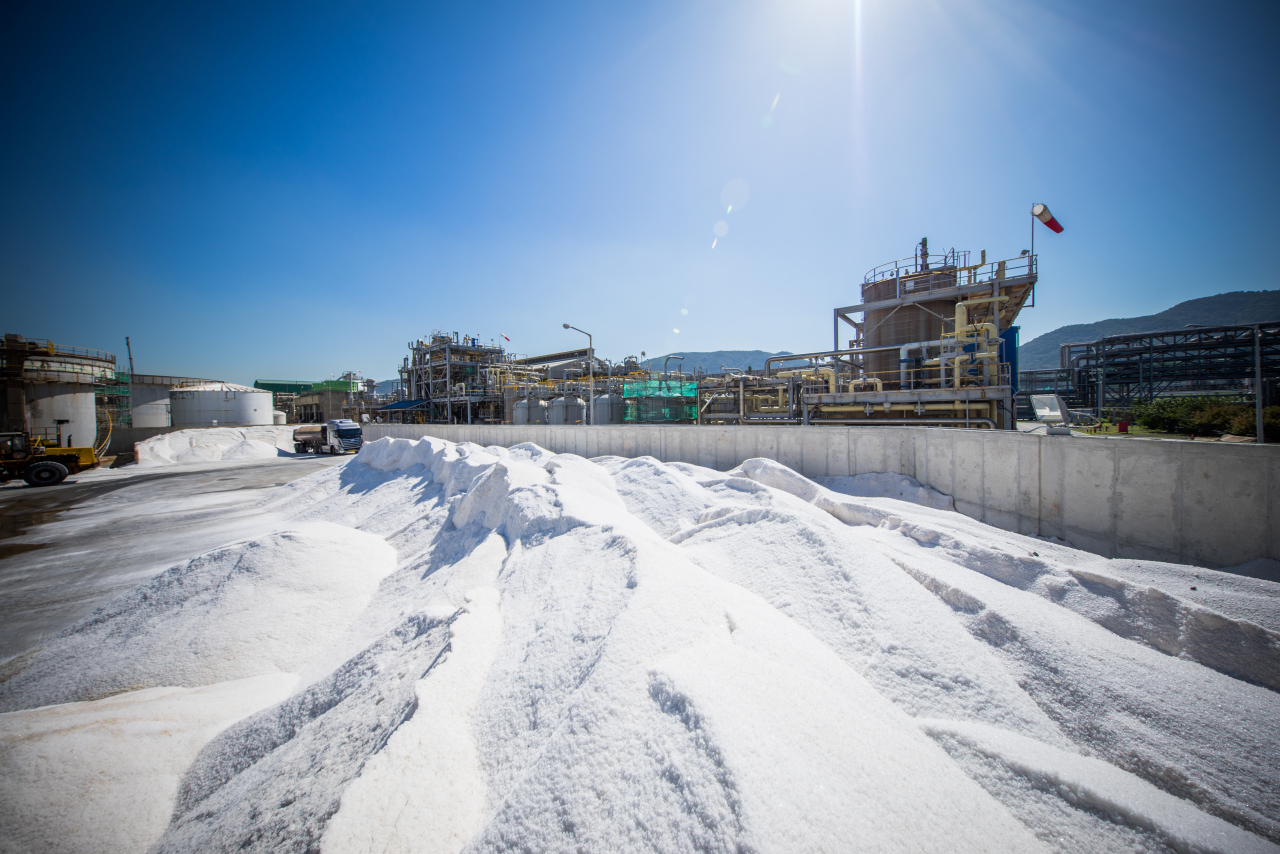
(660, 401)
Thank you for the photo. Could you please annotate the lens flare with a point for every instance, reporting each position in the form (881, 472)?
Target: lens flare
(714, 242)
(684, 311)
(676, 331)
(735, 193)
(775, 102)
(721, 228)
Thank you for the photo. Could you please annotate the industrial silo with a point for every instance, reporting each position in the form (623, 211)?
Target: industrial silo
(220, 405)
(65, 412)
(59, 386)
(907, 318)
(520, 413)
(568, 410)
(149, 398)
(607, 409)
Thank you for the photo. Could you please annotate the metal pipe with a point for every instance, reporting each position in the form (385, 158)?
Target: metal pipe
(1257, 382)
(901, 422)
(902, 357)
(742, 409)
(795, 357)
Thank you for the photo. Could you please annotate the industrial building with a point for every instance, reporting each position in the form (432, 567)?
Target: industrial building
(1239, 362)
(934, 343)
(75, 396)
(51, 389)
(456, 379)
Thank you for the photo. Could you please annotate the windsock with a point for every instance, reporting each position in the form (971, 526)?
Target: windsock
(505, 338)
(1041, 212)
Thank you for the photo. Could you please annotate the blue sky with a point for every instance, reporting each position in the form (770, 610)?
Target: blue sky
(293, 190)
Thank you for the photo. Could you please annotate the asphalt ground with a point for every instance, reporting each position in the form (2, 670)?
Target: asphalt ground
(66, 549)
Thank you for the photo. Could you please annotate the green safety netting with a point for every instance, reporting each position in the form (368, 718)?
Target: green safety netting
(648, 410)
(660, 388)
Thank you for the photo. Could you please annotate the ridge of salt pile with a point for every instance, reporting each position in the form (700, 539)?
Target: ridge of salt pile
(623, 654)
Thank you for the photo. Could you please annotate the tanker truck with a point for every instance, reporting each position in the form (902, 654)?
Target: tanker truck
(336, 436)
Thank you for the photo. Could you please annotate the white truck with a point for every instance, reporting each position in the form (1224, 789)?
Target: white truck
(333, 437)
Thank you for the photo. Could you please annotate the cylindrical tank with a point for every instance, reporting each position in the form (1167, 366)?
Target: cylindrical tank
(149, 404)
(606, 409)
(911, 322)
(538, 412)
(279, 418)
(228, 404)
(568, 410)
(70, 403)
(520, 413)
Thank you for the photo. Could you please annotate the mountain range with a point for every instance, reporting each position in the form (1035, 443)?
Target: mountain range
(710, 361)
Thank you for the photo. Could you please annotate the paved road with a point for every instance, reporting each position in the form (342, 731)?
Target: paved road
(65, 550)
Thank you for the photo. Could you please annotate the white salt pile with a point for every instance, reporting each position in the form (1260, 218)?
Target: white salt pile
(625, 655)
(887, 485)
(210, 444)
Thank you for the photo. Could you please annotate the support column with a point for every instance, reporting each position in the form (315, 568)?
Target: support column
(1257, 382)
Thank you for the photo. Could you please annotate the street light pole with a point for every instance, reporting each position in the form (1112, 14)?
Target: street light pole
(591, 374)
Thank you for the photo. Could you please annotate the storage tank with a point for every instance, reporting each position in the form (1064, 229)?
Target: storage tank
(607, 409)
(228, 404)
(149, 405)
(69, 403)
(568, 410)
(520, 413)
(906, 322)
(279, 418)
(538, 412)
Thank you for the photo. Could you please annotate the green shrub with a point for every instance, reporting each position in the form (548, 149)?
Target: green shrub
(1205, 416)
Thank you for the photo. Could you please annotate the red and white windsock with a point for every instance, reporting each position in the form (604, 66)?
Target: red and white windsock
(1041, 212)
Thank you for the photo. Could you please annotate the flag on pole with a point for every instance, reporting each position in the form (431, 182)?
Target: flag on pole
(1041, 212)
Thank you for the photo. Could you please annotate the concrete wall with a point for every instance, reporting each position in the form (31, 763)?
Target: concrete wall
(1208, 504)
(123, 438)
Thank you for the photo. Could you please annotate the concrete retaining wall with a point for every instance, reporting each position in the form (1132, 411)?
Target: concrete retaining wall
(1201, 503)
(123, 438)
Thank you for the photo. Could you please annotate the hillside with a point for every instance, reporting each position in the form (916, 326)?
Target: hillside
(1221, 310)
(711, 361)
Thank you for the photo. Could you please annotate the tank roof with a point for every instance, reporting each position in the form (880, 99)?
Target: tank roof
(206, 386)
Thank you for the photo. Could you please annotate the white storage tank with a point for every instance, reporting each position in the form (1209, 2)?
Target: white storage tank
(520, 413)
(607, 409)
(279, 418)
(149, 403)
(65, 410)
(568, 410)
(227, 404)
(538, 412)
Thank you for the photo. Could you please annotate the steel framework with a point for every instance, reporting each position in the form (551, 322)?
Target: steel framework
(448, 376)
(1120, 370)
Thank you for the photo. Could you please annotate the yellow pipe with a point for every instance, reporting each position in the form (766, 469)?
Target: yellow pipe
(974, 407)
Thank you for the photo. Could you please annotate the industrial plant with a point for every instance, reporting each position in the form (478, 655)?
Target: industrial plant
(933, 342)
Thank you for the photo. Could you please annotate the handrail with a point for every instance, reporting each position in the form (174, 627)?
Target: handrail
(978, 272)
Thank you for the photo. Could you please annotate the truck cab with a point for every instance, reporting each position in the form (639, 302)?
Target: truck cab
(336, 436)
(343, 435)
